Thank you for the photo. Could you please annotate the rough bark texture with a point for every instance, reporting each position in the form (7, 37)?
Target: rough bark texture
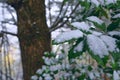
(33, 35)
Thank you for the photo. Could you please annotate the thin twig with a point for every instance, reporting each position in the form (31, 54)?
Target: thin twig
(13, 34)
(61, 25)
(13, 17)
(57, 18)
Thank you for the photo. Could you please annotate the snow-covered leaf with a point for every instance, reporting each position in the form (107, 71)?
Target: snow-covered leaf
(110, 1)
(116, 16)
(107, 2)
(96, 33)
(95, 19)
(91, 75)
(97, 46)
(98, 23)
(81, 25)
(79, 47)
(47, 77)
(112, 33)
(110, 42)
(101, 2)
(35, 77)
(39, 71)
(96, 2)
(116, 75)
(65, 36)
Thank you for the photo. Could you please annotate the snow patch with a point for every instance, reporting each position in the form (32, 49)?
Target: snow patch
(95, 19)
(81, 25)
(101, 2)
(116, 16)
(79, 47)
(110, 1)
(39, 71)
(47, 77)
(96, 33)
(116, 75)
(97, 46)
(65, 36)
(107, 2)
(91, 75)
(110, 42)
(114, 33)
(95, 2)
(35, 77)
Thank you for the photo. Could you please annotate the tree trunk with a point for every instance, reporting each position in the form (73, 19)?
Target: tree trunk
(33, 35)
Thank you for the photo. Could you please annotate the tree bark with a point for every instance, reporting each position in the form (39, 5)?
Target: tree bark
(33, 34)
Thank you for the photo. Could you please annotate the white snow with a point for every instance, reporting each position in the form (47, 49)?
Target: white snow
(95, 19)
(35, 77)
(101, 2)
(81, 25)
(65, 36)
(97, 74)
(47, 61)
(44, 67)
(95, 2)
(79, 47)
(55, 67)
(39, 71)
(107, 21)
(110, 42)
(114, 33)
(116, 16)
(47, 77)
(107, 2)
(96, 33)
(40, 78)
(116, 75)
(91, 75)
(97, 46)
(110, 1)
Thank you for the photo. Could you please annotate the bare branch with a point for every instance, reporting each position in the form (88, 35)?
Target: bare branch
(53, 29)
(62, 24)
(8, 8)
(13, 34)
(58, 19)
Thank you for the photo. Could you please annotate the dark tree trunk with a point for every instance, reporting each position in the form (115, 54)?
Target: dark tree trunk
(33, 35)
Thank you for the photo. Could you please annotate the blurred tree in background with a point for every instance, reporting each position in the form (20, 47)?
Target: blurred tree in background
(33, 33)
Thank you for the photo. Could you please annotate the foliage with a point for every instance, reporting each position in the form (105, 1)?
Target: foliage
(95, 34)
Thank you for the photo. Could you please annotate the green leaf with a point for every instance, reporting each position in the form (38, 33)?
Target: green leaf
(118, 43)
(114, 65)
(104, 12)
(85, 3)
(116, 56)
(69, 41)
(114, 25)
(65, 1)
(101, 27)
(82, 77)
(108, 70)
(90, 68)
(100, 61)
(105, 59)
(72, 54)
